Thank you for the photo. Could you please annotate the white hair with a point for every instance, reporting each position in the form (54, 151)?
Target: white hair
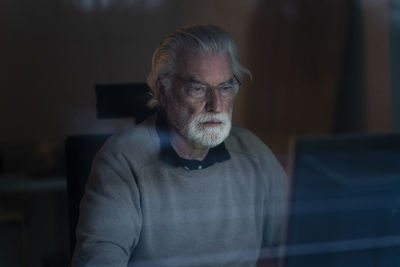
(204, 38)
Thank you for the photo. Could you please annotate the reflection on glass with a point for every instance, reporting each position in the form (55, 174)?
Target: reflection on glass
(89, 5)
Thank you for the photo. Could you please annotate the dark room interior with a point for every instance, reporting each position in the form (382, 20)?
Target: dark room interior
(319, 68)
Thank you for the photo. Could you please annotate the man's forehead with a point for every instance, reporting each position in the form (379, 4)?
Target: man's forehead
(208, 67)
(192, 79)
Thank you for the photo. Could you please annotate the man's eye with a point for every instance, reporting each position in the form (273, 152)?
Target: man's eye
(226, 89)
(196, 90)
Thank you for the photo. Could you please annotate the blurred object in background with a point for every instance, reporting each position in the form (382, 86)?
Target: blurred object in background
(123, 101)
(34, 159)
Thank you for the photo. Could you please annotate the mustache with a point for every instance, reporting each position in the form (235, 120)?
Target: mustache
(212, 116)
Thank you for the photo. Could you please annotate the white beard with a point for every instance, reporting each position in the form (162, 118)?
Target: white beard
(208, 136)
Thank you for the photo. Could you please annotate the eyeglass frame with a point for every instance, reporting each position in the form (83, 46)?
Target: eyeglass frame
(235, 82)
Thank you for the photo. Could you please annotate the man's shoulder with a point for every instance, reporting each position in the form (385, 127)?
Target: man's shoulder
(242, 140)
(137, 140)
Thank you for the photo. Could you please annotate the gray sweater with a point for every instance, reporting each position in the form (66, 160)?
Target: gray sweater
(139, 211)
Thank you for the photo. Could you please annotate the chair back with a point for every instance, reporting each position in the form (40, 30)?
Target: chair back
(79, 151)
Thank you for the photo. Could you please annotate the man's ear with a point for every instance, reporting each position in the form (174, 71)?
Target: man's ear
(162, 93)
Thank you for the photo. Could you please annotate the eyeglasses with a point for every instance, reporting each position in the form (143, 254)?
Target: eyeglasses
(199, 90)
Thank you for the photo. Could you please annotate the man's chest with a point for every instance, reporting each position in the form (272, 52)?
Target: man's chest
(219, 214)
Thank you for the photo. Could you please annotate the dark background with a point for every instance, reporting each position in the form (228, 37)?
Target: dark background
(319, 67)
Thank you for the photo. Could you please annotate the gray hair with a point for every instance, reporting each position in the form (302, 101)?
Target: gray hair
(205, 38)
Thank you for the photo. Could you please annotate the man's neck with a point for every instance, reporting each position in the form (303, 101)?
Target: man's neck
(185, 149)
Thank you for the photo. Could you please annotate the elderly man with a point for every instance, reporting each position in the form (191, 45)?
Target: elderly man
(184, 188)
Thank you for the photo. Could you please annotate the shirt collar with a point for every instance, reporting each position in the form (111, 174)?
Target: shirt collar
(169, 155)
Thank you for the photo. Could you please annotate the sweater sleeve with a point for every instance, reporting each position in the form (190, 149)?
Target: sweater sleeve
(110, 215)
(276, 202)
(274, 211)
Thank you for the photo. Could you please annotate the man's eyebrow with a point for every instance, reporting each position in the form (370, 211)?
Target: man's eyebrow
(194, 80)
(228, 81)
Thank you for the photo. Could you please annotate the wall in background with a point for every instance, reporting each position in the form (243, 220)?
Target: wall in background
(395, 60)
(376, 19)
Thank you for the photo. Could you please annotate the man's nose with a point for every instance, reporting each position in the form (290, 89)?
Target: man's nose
(214, 101)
